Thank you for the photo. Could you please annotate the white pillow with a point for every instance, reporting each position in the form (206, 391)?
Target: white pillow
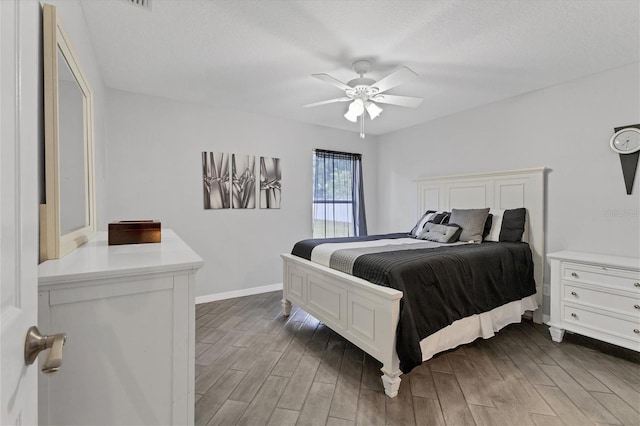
(496, 225)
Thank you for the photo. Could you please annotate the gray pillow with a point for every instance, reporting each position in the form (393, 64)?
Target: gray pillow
(440, 233)
(471, 221)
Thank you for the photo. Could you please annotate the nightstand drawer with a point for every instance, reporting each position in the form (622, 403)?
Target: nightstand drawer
(606, 277)
(601, 322)
(606, 300)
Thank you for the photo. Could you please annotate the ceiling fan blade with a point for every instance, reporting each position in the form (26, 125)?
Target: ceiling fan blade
(330, 101)
(396, 78)
(328, 79)
(405, 101)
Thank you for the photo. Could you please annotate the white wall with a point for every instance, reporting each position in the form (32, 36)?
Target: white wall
(565, 128)
(155, 172)
(72, 17)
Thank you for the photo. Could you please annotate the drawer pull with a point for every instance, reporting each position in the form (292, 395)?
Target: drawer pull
(636, 284)
(573, 314)
(635, 330)
(636, 306)
(574, 275)
(573, 293)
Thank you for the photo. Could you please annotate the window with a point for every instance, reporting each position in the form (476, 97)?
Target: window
(338, 199)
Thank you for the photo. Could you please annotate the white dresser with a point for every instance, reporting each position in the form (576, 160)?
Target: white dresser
(596, 296)
(128, 312)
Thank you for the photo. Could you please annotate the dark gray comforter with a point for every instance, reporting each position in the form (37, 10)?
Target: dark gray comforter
(441, 285)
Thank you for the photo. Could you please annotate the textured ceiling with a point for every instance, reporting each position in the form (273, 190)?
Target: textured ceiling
(257, 56)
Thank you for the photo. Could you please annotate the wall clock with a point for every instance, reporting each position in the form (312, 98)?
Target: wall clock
(626, 142)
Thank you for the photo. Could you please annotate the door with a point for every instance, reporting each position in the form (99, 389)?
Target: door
(20, 88)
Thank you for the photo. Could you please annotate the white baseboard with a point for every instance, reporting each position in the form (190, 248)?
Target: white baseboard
(238, 293)
(546, 318)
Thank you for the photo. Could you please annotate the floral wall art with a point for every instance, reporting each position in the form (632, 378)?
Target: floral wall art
(230, 181)
(215, 179)
(243, 178)
(270, 183)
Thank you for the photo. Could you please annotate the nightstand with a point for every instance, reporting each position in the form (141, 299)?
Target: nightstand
(597, 296)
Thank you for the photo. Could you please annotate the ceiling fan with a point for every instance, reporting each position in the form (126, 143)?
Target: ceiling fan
(364, 93)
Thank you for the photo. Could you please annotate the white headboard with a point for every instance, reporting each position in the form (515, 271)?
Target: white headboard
(498, 190)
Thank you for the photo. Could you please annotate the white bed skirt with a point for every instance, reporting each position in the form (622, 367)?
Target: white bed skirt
(483, 325)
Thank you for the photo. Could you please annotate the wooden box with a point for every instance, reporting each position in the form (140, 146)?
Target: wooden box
(134, 232)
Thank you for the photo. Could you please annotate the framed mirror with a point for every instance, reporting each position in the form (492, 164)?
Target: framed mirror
(68, 217)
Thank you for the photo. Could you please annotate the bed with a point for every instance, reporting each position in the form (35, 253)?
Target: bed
(368, 314)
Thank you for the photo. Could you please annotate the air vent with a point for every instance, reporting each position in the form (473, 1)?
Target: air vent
(144, 4)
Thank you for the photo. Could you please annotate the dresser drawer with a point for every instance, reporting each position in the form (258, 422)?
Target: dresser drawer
(601, 322)
(597, 275)
(606, 300)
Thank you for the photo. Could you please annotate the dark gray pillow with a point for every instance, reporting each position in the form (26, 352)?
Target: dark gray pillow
(513, 221)
(440, 233)
(508, 225)
(471, 221)
(487, 226)
(440, 217)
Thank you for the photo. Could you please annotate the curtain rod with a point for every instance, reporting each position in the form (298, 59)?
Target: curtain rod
(337, 152)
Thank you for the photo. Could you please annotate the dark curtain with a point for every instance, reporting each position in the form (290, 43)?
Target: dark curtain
(338, 196)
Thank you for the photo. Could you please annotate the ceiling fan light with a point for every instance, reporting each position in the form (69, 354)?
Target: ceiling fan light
(357, 107)
(351, 116)
(373, 109)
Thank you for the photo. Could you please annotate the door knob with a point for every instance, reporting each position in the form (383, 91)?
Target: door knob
(36, 343)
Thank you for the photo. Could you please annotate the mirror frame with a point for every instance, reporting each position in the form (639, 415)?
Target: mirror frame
(54, 245)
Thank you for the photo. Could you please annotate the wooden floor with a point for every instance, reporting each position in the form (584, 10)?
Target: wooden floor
(256, 367)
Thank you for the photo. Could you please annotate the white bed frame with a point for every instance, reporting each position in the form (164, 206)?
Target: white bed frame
(367, 314)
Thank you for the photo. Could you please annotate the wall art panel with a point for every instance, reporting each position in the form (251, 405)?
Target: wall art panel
(215, 178)
(243, 172)
(270, 183)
